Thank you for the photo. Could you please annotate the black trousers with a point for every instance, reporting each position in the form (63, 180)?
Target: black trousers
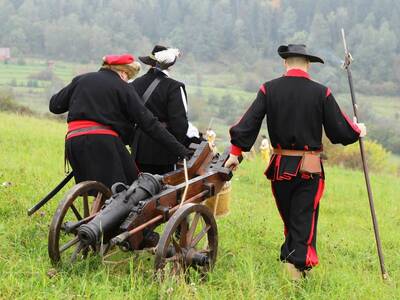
(102, 158)
(298, 203)
(155, 169)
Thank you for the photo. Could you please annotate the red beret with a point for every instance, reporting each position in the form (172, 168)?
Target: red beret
(123, 59)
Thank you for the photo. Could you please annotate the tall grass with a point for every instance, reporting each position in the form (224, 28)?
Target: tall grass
(31, 154)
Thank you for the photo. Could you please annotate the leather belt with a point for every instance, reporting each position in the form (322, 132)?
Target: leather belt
(288, 152)
(87, 129)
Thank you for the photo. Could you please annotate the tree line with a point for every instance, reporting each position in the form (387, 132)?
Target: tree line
(222, 31)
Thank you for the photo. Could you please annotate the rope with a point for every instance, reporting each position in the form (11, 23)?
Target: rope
(186, 183)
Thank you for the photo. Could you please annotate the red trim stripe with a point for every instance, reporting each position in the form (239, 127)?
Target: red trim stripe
(297, 73)
(351, 123)
(262, 89)
(311, 257)
(328, 92)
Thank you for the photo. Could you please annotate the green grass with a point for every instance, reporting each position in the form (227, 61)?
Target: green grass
(31, 158)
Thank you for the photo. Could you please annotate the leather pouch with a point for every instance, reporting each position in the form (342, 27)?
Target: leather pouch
(310, 163)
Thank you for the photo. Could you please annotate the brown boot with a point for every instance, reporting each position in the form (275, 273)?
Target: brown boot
(293, 273)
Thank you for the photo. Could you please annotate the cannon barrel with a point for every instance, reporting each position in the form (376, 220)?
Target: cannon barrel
(118, 207)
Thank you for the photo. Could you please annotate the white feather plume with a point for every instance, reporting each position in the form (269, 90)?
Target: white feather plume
(167, 56)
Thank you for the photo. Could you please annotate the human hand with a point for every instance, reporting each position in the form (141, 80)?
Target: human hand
(232, 162)
(188, 153)
(363, 129)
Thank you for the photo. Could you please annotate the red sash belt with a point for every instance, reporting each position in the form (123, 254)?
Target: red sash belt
(83, 127)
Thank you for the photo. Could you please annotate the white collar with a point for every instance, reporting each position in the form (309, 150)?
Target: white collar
(165, 72)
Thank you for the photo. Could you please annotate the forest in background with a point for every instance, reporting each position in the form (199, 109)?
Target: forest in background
(229, 46)
(226, 32)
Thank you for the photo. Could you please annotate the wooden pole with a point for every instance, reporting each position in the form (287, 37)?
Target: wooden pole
(346, 65)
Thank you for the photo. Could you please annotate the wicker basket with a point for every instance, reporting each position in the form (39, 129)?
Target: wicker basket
(219, 204)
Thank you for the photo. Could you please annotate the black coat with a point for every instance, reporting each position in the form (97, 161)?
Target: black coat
(167, 105)
(105, 98)
(297, 109)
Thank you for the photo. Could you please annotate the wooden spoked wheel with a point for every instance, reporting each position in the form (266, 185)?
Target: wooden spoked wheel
(80, 203)
(189, 242)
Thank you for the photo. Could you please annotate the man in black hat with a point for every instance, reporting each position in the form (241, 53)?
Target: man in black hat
(297, 109)
(166, 98)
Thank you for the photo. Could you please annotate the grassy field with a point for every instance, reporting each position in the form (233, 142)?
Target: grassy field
(31, 159)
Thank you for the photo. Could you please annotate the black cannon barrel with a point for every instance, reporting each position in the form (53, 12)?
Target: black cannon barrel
(118, 208)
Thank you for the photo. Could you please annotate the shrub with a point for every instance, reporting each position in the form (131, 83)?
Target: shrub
(21, 61)
(378, 158)
(32, 83)
(7, 103)
(46, 74)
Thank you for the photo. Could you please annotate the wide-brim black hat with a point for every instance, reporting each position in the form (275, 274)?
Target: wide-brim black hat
(150, 59)
(293, 50)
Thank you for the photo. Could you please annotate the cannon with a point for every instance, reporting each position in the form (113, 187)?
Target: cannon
(91, 219)
(118, 207)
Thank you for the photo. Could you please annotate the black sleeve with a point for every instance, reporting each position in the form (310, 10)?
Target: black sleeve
(177, 115)
(245, 132)
(140, 115)
(59, 103)
(337, 125)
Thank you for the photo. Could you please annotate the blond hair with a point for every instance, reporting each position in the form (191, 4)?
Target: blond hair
(131, 69)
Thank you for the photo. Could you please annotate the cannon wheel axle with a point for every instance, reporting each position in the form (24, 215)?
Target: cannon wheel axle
(189, 242)
(82, 201)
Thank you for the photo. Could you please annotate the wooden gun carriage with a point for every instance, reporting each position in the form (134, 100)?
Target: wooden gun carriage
(190, 236)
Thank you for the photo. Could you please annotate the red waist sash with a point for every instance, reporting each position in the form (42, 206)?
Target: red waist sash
(84, 127)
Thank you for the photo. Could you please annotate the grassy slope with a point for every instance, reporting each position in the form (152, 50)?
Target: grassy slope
(247, 267)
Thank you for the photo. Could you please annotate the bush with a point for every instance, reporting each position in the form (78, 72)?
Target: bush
(46, 74)
(378, 158)
(21, 61)
(7, 103)
(32, 83)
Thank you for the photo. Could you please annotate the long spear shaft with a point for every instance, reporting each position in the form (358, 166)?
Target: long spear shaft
(346, 65)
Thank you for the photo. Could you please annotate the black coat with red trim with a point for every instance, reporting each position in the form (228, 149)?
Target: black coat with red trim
(167, 104)
(297, 111)
(105, 98)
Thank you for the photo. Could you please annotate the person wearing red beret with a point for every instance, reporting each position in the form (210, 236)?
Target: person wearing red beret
(102, 112)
